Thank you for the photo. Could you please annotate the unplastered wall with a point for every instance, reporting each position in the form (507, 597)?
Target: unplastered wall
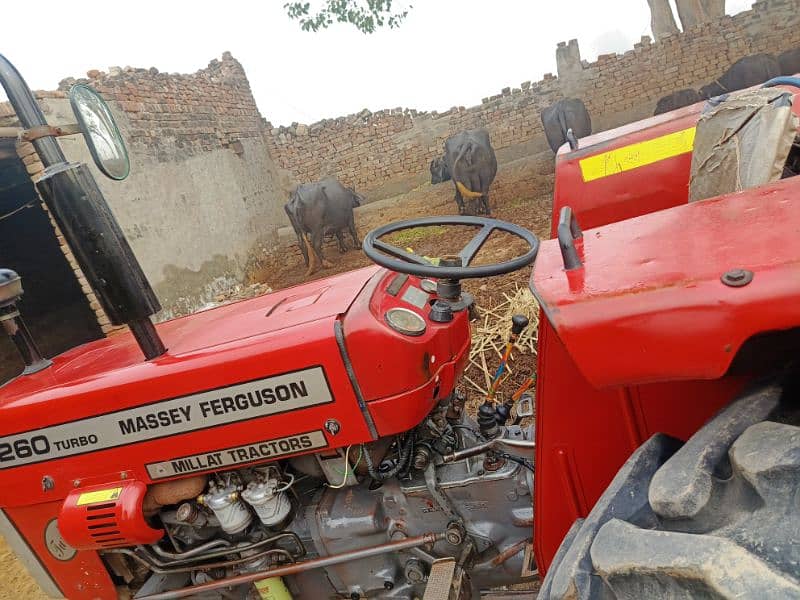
(202, 198)
(388, 151)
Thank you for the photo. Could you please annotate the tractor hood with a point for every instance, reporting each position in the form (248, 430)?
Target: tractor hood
(287, 373)
(196, 335)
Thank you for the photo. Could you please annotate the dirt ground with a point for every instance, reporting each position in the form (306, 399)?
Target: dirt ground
(521, 194)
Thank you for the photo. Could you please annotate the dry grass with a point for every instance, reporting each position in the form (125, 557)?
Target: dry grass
(490, 334)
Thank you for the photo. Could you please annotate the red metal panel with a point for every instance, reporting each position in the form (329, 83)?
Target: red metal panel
(402, 377)
(81, 577)
(651, 287)
(649, 188)
(623, 196)
(584, 434)
(171, 377)
(390, 365)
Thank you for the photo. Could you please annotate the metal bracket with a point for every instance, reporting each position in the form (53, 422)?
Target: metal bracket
(34, 133)
(525, 406)
(438, 496)
(568, 232)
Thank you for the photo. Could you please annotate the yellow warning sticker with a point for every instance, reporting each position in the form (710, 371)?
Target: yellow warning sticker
(637, 155)
(273, 588)
(99, 496)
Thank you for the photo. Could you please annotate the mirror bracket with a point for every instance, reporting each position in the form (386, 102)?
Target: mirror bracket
(34, 133)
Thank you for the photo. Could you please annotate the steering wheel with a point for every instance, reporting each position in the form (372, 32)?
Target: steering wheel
(402, 261)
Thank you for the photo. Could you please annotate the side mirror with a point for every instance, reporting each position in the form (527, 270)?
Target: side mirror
(100, 132)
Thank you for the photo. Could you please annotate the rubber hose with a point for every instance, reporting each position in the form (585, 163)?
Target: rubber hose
(795, 81)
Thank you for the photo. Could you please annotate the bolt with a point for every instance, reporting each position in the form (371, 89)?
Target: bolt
(355, 596)
(421, 458)
(48, 483)
(512, 495)
(737, 277)
(332, 426)
(454, 534)
(123, 475)
(76, 483)
(388, 585)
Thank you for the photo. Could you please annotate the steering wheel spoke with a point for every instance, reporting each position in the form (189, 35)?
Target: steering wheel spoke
(475, 244)
(403, 261)
(393, 250)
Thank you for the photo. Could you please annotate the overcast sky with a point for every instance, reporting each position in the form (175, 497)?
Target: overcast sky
(447, 53)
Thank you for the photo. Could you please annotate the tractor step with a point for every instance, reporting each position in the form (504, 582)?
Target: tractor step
(441, 580)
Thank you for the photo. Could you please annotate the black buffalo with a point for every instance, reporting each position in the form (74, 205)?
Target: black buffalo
(563, 116)
(789, 62)
(439, 171)
(677, 100)
(320, 208)
(470, 161)
(744, 73)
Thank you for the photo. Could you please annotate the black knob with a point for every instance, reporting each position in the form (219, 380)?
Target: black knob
(487, 420)
(518, 323)
(441, 312)
(502, 414)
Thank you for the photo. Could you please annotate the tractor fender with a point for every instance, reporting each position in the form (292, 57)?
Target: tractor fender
(676, 294)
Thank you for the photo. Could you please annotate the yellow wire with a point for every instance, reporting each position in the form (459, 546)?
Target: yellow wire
(346, 469)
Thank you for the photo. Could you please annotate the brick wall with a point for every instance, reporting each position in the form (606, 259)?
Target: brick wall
(171, 114)
(197, 147)
(373, 151)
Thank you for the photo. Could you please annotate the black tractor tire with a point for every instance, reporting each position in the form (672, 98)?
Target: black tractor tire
(716, 517)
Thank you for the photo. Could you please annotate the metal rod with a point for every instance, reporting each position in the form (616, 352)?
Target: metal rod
(412, 542)
(207, 551)
(28, 112)
(205, 566)
(485, 447)
(19, 333)
(147, 337)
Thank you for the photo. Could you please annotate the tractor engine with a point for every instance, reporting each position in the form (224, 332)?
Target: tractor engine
(326, 506)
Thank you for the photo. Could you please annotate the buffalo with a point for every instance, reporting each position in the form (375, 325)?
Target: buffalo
(789, 62)
(745, 72)
(469, 159)
(439, 172)
(566, 120)
(318, 209)
(677, 100)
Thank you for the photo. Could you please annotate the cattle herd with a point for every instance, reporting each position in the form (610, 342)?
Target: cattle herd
(325, 208)
(745, 72)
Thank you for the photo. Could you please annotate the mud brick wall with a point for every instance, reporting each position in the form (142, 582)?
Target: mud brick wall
(197, 148)
(203, 200)
(181, 115)
(388, 151)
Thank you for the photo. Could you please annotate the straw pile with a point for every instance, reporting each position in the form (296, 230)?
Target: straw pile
(490, 334)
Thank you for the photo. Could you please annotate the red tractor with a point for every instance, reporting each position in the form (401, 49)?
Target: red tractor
(313, 442)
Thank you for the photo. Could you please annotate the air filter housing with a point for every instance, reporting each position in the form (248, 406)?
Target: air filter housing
(106, 516)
